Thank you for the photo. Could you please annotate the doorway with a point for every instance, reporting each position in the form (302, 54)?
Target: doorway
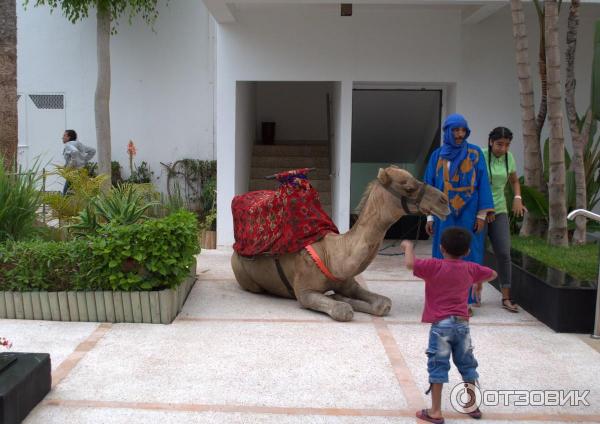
(393, 126)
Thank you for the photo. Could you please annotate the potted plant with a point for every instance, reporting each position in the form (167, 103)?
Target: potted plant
(208, 226)
(209, 230)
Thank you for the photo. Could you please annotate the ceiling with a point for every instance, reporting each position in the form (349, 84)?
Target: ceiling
(473, 11)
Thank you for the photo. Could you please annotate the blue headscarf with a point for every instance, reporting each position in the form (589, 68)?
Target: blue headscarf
(451, 151)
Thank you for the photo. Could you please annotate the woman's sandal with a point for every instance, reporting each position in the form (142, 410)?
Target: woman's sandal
(509, 305)
(424, 415)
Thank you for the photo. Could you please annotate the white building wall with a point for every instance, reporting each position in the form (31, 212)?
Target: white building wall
(162, 81)
(488, 90)
(313, 43)
(411, 45)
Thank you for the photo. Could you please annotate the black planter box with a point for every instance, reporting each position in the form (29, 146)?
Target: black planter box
(25, 378)
(563, 303)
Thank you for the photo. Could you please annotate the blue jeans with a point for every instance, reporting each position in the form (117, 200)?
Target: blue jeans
(450, 336)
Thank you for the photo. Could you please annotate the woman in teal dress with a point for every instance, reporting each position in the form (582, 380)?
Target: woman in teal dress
(458, 168)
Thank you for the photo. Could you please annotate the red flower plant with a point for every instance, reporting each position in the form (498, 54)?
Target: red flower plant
(7, 344)
(131, 151)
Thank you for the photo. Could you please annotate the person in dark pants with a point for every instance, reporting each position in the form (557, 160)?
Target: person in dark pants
(76, 154)
(502, 169)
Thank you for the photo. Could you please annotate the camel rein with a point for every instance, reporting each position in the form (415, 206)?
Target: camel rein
(404, 203)
(404, 199)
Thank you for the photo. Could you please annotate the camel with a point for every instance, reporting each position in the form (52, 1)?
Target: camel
(386, 199)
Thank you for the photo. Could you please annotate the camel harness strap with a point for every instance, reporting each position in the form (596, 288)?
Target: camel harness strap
(319, 262)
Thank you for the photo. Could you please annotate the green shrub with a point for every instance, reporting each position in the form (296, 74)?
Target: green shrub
(19, 200)
(43, 265)
(152, 255)
(83, 188)
(141, 174)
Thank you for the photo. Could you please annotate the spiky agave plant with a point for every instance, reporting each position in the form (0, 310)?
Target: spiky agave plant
(19, 200)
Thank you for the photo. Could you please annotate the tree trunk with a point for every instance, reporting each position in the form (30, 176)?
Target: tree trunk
(596, 74)
(543, 110)
(557, 228)
(534, 176)
(9, 129)
(578, 138)
(102, 97)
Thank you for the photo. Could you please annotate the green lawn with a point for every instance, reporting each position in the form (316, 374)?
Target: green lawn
(579, 261)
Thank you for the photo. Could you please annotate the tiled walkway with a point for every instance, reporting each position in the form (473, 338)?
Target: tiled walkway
(237, 357)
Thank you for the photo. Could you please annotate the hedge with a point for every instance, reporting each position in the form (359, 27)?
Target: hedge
(152, 255)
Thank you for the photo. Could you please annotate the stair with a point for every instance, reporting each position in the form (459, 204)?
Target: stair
(271, 159)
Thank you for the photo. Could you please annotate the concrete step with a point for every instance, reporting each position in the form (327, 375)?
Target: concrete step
(289, 162)
(317, 174)
(321, 186)
(284, 150)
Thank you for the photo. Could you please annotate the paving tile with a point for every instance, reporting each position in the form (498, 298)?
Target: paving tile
(515, 358)
(288, 365)
(225, 299)
(408, 298)
(214, 264)
(57, 338)
(76, 415)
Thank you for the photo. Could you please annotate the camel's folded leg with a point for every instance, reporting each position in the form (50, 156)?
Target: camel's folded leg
(377, 304)
(357, 305)
(339, 311)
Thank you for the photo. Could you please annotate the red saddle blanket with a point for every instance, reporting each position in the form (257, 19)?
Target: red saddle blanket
(280, 221)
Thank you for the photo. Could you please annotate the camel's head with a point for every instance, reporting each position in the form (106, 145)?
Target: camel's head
(413, 194)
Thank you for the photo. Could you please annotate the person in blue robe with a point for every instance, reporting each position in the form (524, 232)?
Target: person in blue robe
(458, 168)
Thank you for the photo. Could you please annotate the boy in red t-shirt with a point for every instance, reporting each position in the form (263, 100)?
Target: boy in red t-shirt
(447, 283)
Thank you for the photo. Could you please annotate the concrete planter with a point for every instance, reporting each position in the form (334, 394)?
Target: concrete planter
(150, 307)
(560, 301)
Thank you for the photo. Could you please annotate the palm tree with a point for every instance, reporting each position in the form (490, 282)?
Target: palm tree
(534, 176)
(578, 138)
(9, 138)
(557, 226)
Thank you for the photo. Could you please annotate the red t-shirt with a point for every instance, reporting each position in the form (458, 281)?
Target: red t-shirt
(447, 283)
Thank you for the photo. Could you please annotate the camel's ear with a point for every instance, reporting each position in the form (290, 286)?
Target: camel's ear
(383, 177)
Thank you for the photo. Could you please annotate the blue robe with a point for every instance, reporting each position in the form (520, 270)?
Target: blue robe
(468, 193)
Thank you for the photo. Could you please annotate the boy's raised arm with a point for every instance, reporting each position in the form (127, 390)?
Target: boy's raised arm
(487, 277)
(409, 254)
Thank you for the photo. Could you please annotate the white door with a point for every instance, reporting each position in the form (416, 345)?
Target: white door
(46, 123)
(23, 148)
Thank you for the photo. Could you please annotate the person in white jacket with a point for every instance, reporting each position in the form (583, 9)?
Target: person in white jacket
(76, 154)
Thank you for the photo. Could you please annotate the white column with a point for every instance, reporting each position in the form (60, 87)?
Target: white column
(341, 159)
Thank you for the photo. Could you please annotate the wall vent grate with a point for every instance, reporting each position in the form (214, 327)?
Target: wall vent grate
(48, 101)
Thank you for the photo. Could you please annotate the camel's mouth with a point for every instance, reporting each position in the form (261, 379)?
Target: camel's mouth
(441, 213)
